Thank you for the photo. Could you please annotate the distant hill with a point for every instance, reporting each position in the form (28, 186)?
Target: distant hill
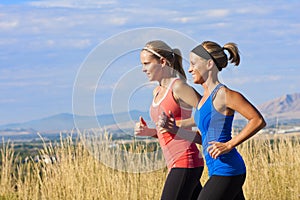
(65, 121)
(285, 107)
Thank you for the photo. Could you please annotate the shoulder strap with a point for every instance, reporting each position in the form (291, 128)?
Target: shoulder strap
(214, 92)
(172, 83)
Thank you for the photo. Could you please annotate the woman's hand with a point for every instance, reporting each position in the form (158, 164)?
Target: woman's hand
(167, 123)
(141, 128)
(218, 148)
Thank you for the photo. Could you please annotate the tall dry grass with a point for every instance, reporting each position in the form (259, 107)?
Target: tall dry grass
(273, 163)
(93, 168)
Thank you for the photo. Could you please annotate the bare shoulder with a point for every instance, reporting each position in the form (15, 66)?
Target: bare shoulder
(229, 91)
(179, 85)
(181, 88)
(232, 94)
(233, 98)
(225, 101)
(185, 93)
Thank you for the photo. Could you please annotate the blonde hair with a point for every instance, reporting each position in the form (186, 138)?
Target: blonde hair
(160, 49)
(219, 56)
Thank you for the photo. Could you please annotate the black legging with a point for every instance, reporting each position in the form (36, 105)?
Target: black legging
(182, 184)
(223, 188)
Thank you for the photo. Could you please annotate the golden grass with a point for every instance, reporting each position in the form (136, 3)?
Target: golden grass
(273, 163)
(90, 169)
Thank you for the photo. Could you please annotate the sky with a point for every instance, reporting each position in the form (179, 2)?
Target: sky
(82, 57)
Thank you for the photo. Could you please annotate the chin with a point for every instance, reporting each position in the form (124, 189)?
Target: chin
(196, 81)
(150, 79)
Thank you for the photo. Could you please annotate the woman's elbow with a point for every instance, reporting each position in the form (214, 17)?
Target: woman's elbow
(262, 123)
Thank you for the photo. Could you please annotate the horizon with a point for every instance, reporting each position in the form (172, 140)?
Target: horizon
(46, 45)
(143, 111)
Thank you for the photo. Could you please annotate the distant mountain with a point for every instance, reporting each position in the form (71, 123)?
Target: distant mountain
(66, 121)
(285, 107)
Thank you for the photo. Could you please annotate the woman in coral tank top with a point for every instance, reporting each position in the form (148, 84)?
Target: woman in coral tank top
(184, 161)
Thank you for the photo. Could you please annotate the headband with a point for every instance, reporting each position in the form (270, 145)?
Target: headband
(153, 52)
(157, 54)
(203, 53)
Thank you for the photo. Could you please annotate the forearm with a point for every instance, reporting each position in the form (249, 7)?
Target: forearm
(253, 126)
(189, 135)
(151, 132)
(186, 123)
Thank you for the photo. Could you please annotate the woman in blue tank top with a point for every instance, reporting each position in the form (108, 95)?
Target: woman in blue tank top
(213, 117)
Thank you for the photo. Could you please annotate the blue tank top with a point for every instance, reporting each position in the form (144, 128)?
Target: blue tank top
(215, 126)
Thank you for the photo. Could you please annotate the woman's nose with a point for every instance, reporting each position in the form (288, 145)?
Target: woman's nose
(143, 68)
(190, 69)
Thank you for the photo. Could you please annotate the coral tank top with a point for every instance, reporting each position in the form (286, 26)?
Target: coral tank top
(178, 152)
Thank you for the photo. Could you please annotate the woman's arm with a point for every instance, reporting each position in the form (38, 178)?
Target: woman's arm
(192, 136)
(186, 123)
(168, 124)
(237, 102)
(186, 96)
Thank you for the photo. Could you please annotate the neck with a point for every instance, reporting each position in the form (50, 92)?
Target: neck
(164, 82)
(211, 82)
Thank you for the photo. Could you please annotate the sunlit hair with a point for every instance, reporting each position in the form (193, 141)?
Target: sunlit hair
(160, 49)
(217, 52)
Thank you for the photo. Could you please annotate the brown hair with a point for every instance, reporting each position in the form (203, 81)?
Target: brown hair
(173, 56)
(217, 52)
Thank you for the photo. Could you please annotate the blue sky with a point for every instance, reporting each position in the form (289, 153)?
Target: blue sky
(45, 44)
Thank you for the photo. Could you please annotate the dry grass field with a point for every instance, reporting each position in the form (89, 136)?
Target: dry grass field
(93, 168)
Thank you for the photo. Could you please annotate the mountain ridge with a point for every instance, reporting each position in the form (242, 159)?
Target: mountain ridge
(68, 121)
(284, 107)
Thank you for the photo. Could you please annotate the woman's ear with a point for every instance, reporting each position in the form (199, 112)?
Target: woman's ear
(210, 64)
(163, 61)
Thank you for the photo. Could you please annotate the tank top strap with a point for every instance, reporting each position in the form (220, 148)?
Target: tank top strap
(213, 93)
(172, 83)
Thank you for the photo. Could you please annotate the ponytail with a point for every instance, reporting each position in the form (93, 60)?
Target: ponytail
(219, 56)
(233, 50)
(177, 64)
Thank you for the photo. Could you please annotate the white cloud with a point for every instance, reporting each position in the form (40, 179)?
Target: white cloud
(118, 20)
(254, 10)
(6, 25)
(72, 3)
(199, 16)
(217, 13)
(28, 83)
(184, 19)
(253, 79)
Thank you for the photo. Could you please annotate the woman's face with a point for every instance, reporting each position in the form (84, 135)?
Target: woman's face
(198, 68)
(151, 65)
